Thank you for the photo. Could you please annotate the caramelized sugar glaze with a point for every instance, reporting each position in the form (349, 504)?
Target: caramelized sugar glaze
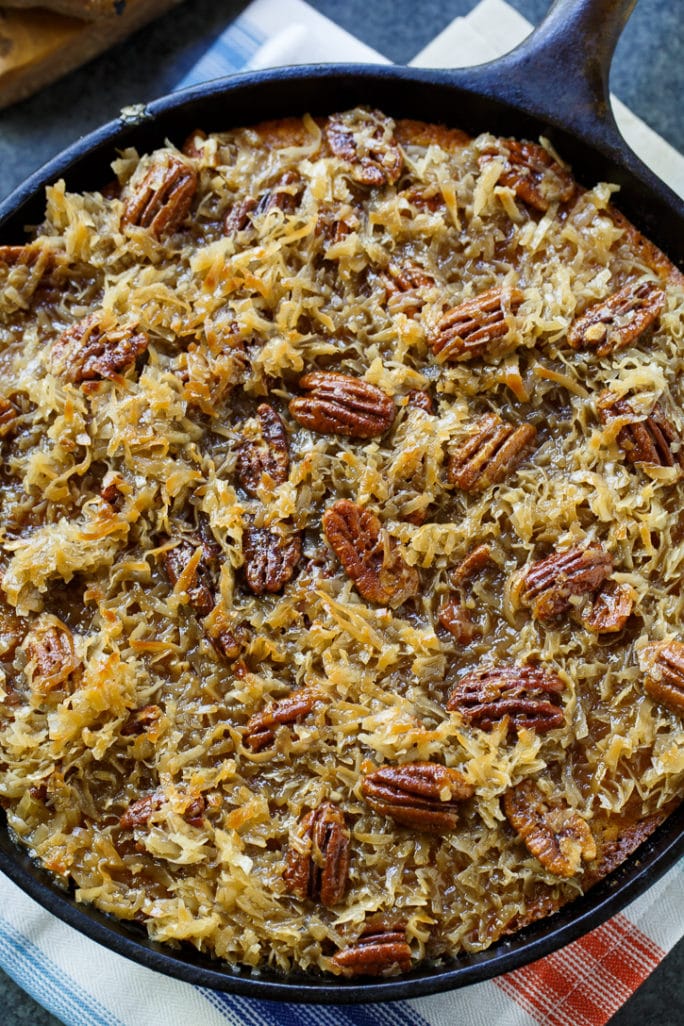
(341, 541)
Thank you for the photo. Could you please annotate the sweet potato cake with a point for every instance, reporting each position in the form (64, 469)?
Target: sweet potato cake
(342, 540)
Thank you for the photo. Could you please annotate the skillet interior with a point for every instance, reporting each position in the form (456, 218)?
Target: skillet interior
(460, 99)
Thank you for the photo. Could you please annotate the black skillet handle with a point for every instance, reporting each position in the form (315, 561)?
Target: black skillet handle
(560, 72)
(559, 76)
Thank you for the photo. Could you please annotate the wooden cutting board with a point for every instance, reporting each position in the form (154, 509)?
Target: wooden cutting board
(38, 45)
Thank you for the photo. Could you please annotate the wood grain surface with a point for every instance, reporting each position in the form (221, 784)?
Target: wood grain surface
(38, 45)
(74, 8)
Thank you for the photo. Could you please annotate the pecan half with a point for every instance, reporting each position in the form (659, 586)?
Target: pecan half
(491, 451)
(424, 198)
(113, 489)
(260, 731)
(141, 721)
(51, 655)
(194, 144)
(528, 696)
(372, 560)
(552, 832)
(651, 439)
(284, 195)
(376, 952)
(335, 223)
(339, 404)
(27, 255)
(86, 351)
(160, 200)
(408, 276)
(473, 327)
(420, 795)
(477, 559)
(404, 283)
(420, 400)
(665, 677)
(271, 557)
(223, 634)
(616, 322)
(365, 139)
(13, 255)
(455, 618)
(318, 868)
(531, 172)
(268, 454)
(610, 610)
(8, 417)
(237, 218)
(140, 811)
(190, 568)
(549, 585)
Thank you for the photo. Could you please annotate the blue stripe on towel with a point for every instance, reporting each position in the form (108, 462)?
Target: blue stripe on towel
(398, 1013)
(48, 984)
(232, 51)
(240, 1011)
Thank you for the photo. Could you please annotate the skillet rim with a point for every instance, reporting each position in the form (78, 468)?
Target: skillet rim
(594, 132)
(653, 858)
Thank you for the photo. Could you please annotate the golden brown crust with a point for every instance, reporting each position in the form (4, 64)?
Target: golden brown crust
(409, 132)
(615, 843)
(542, 904)
(284, 132)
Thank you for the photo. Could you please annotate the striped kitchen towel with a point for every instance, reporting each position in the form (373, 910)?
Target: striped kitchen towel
(84, 984)
(583, 984)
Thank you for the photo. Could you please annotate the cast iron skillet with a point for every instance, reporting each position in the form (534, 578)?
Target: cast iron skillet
(556, 84)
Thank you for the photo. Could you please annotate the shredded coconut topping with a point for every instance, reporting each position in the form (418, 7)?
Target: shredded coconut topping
(194, 659)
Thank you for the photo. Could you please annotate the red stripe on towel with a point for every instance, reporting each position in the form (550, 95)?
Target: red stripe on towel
(586, 982)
